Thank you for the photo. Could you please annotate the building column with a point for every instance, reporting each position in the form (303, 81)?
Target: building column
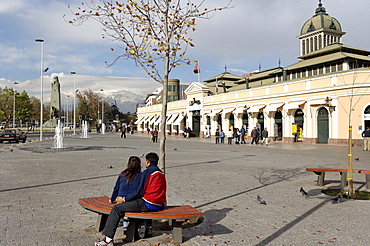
(287, 125)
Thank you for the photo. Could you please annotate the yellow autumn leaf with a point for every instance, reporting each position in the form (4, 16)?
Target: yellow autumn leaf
(132, 51)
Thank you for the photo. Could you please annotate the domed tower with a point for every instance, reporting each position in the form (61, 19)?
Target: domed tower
(320, 31)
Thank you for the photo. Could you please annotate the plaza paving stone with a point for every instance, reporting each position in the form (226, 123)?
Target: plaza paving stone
(39, 191)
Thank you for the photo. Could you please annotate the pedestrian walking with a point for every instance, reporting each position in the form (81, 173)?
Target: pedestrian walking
(236, 136)
(222, 136)
(366, 135)
(242, 135)
(123, 131)
(217, 135)
(265, 136)
(155, 135)
(254, 135)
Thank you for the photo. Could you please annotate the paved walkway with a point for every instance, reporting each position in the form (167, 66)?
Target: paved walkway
(39, 192)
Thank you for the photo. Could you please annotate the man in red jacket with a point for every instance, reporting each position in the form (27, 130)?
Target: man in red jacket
(150, 196)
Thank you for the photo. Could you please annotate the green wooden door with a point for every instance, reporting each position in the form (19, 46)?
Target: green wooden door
(323, 126)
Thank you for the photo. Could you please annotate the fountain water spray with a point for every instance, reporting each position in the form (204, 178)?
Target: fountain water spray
(84, 129)
(58, 137)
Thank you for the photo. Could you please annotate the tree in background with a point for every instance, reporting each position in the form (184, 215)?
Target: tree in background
(23, 106)
(154, 33)
(92, 106)
(83, 111)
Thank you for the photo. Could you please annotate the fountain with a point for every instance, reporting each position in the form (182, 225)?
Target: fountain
(58, 142)
(84, 129)
(58, 137)
(102, 128)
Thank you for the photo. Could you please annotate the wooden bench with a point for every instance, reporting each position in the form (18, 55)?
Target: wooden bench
(343, 172)
(176, 214)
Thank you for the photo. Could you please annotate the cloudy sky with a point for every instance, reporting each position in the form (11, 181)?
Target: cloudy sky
(253, 32)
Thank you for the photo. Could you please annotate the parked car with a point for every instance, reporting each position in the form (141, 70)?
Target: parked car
(12, 134)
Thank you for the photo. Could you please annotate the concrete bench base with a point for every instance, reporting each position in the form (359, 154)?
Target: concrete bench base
(343, 173)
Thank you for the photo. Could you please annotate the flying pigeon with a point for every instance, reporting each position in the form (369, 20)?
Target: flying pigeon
(259, 199)
(142, 155)
(11, 150)
(357, 159)
(175, 149)
(303, 192)
(337, 199)
(110, 166)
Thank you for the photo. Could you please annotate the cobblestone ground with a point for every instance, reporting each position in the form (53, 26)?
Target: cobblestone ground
(39, 192)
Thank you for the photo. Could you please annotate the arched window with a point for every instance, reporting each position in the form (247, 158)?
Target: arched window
(307, 46)
(245, 120)
(231, 121)
(219, 121)
(367, 110)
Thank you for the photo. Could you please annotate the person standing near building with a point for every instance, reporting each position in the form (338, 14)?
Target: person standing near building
(217, 135)
(366, 135)
(236, 136)
(265, 136)
(230, 137)
(222, 136)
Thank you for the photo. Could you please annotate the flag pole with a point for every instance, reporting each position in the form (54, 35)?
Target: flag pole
(198, 72)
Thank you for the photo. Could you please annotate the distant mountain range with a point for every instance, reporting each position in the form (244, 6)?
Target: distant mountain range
(125, 100)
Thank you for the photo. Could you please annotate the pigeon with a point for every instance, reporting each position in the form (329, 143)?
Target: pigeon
(337, 199)
(303, 192)
(357, 159)
(11, 150)
(259, 199)
(110, 167)
(142, 155)
(175, 149)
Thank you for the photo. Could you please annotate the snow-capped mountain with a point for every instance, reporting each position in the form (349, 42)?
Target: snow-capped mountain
(125, 100)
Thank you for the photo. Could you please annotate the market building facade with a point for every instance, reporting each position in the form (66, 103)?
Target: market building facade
(313, 101)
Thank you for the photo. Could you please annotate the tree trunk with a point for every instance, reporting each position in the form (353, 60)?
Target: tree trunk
(162, 142)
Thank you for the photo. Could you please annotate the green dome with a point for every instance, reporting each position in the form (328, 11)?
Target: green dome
(321, 20)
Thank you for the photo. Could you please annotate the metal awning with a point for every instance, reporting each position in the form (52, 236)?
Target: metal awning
(273, 107)
(255, 109)
(179, 119)
(152, 120)
(240, 110)
(158, 121)
(215, 111)
(139, 121)
(229, 110)
(293, 105)
(172, 119)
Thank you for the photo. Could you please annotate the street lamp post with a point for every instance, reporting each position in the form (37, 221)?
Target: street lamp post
(67, 110)
(74, 102)
(102, 114)
(14, 105)
(42, 88)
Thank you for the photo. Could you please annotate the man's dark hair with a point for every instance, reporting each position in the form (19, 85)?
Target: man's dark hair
(152, 158)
